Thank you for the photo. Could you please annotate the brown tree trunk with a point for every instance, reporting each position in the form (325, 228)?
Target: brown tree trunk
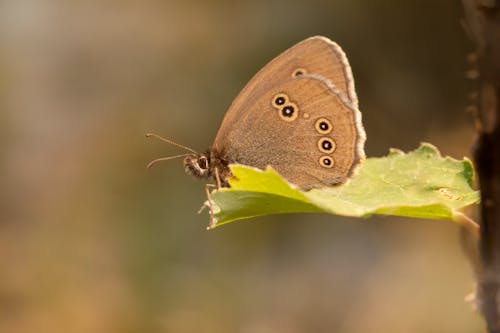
(483, 25)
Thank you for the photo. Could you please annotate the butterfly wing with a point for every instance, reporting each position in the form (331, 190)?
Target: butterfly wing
(301, 127)
(315, 55)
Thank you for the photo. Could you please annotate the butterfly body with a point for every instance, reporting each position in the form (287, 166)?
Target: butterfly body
(208, 165)
(299, 115)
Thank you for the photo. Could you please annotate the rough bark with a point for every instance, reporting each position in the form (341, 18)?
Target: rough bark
(482, 18)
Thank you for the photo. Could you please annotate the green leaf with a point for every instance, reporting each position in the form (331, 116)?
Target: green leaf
(420, 184)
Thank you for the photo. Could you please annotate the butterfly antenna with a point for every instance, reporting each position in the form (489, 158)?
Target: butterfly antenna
(149, 135)
(153, 162)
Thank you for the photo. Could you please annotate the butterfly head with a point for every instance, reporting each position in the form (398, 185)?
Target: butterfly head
(198, 165)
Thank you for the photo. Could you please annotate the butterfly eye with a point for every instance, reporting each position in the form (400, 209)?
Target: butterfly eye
(289, 112)
(279, 100)
(299, 72)
(326, 162)
(326, 145)
(323, 126)
(203, 162)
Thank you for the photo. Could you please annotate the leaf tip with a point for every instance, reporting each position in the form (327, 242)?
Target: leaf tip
(428, 149)
(395, 152)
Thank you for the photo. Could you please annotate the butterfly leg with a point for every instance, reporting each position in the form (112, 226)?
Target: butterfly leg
(209, 204)
(217, 178)
(207, 193)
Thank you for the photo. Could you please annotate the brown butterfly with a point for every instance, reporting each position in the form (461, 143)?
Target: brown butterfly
(299, 114)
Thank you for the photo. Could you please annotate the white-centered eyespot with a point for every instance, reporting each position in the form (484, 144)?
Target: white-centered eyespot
(326, 162)
(326, 145)
(289, 112)
(323, 126)
(279, 100)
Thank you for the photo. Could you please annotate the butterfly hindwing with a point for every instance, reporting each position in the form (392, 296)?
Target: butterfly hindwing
(303, 128)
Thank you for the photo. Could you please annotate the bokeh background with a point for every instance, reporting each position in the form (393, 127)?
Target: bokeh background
(91, 242)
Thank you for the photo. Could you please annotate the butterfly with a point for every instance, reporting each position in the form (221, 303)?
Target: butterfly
(299, 114)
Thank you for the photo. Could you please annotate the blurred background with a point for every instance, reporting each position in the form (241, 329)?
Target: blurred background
(91, 242)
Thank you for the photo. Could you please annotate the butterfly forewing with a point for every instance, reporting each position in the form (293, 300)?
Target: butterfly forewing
(315, 55)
